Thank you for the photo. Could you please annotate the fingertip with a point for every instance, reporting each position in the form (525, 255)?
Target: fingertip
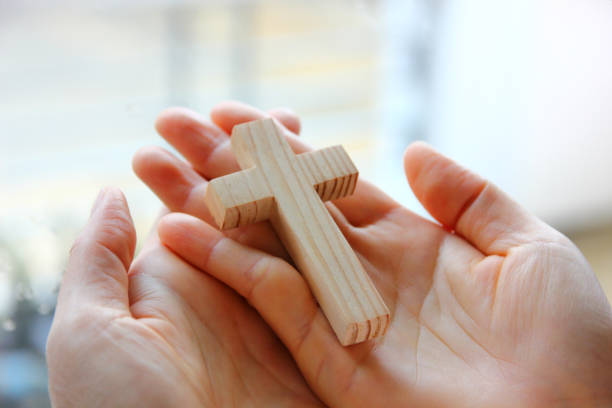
(229, 105)
(170, 223)
(420, 145)
(175, 119)
(160, 170)
(165, 117)
(288, 118)
(414, 156)
(443, 186)
(142, 158)
(180, 228)
(111, 224)
(228, 114)
(110, 197)
(186, 235)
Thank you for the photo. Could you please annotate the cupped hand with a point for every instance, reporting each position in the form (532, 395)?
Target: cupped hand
(158, 332)
(490, 306)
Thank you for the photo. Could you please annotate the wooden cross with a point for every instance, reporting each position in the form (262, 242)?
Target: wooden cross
(289, 190)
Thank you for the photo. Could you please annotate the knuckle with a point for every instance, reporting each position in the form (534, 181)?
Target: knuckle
(256, 274)
(265, 277)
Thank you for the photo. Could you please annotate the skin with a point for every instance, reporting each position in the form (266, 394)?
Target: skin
(490, 306)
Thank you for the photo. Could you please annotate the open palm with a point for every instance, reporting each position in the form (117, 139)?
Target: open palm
(492, 307)
(153, 337)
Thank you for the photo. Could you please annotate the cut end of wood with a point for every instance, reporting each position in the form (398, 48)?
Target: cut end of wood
(333, 173)
(215, 206)
(355, 333)
(239, 199)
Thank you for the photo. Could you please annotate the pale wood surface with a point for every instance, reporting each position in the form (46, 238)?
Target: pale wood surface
(289, 190)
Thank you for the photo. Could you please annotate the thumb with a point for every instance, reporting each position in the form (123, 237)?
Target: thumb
(467, 204)
(100, 257)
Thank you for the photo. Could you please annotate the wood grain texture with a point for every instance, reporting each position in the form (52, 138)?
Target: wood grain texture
(289, 190)
(239, 199)
(331, 171)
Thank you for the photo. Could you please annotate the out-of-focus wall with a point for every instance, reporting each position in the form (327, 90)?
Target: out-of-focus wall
(596, 245)
(521, 94)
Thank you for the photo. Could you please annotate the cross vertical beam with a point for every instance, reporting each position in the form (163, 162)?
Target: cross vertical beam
(289, 191)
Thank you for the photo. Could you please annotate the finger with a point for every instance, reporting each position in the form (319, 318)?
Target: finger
(181, 189)
(176, 183)
(228, 114)
(100, 257)
(465, 202)
(202, 143)
(288, 118)
(267, 282)
(276, 290)
(366, 205)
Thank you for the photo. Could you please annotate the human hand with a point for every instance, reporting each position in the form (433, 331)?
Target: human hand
(490, 308)
(163, 334)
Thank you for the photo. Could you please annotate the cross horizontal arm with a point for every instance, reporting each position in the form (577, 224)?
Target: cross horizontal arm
(239, 199)
(333, 173)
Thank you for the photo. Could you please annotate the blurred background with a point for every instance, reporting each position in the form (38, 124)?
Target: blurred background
(519, 91)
